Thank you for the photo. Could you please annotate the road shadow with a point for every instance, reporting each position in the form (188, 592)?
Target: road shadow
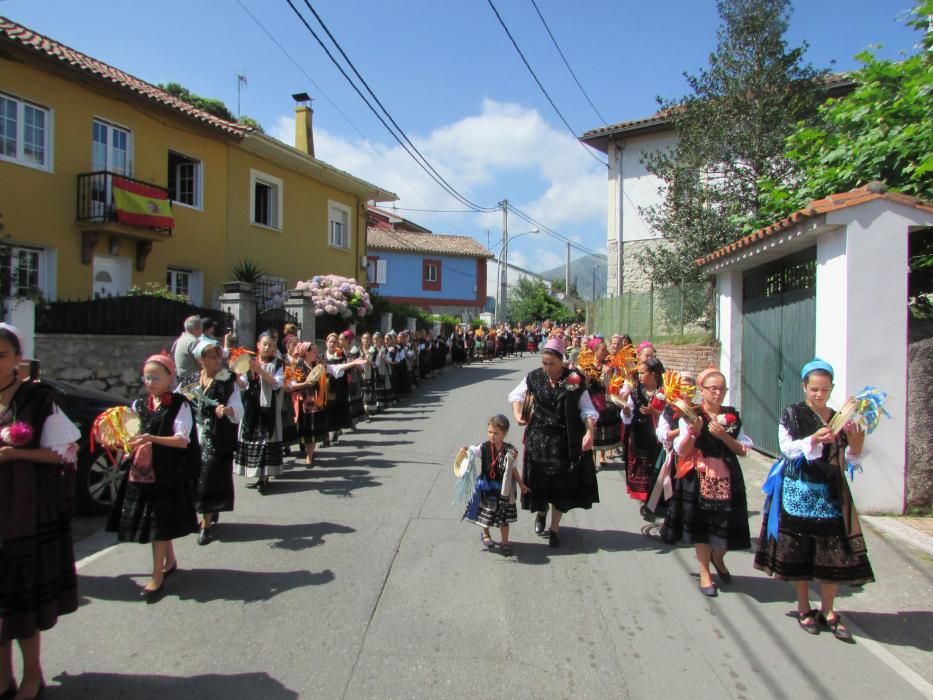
(295, 537)
(152, 687)
(906, 628)
(326, 480)
(574, 540)
(203, 585)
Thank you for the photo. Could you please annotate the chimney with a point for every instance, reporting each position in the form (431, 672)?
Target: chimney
(304, 117)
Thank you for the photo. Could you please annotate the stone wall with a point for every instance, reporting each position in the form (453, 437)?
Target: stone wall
(692, 358)
(635, 278)
(920, 423)
(111, 363)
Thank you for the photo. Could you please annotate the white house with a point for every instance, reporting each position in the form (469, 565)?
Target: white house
(632, 187)
(829, 281)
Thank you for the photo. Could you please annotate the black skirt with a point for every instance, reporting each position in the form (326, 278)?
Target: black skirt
(215, 484)
(148, 512)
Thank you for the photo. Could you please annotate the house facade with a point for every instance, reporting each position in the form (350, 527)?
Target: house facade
(439, 273)
(631, 188)
(110, 182)
(829, 281)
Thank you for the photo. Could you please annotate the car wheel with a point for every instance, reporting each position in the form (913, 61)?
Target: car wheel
(98, 482)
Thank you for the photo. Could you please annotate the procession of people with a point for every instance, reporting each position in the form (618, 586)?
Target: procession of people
(245, 411)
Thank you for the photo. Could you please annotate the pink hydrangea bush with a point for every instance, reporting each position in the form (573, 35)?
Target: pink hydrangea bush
(337, 296)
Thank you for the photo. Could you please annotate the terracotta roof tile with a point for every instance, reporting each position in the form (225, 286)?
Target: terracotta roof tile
(818, 207)
(416, 242)
(24, 37)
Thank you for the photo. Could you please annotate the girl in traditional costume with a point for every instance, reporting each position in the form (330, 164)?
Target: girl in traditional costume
(384, 394)
(709, 509)
(641, 414)
(661, 488)
(217, 409)
(592, 363)
(260, 450)
(811, 531)
(155, 503)
(338, 392)
(558, 463)
(490, 506)
(354, 376)
(37, 566)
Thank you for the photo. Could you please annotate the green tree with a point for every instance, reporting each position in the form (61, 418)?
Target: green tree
(530, 300)
(210, 105)
(559, 287)
(883, 130)
(731, 130)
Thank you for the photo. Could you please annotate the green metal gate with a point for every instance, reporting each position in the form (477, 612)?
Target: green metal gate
(778, 338)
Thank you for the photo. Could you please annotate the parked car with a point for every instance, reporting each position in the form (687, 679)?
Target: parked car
(97, 479)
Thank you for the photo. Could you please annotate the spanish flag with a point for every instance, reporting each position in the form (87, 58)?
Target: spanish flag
(141, 205)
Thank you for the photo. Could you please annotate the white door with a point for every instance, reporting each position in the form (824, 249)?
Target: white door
(111, 276)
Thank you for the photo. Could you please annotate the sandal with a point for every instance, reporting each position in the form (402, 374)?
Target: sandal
(808, 621)
(487, 540)
(506, 550)
(839, 630)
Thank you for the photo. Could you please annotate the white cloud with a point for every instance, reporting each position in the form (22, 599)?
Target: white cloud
(504, 145)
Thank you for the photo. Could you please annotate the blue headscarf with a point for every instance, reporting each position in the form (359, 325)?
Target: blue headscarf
(814, 364)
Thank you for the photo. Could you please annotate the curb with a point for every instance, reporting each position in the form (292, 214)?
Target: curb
(902, 531)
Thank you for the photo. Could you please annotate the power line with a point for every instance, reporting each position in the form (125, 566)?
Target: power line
(410, 148)
(534, 222)
(437, 211)
(564, 59)
(540, 86)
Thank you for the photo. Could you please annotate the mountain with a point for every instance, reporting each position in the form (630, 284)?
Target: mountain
(581, 274)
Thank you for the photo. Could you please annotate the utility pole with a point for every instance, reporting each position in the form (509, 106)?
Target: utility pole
(594, 285)
(567, 272)
(504, 264)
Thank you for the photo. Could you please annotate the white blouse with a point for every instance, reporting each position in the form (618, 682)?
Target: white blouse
(60, 435)
(684, 428)
(586, 405)
(181, 427)
(795, 449)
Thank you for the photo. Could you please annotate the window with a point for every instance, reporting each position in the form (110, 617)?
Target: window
(339, 225)
(375, 271)
(431, 275)
(188, 283)
(110, 148)
(265, 200)
(25, 133)
(184, 180)
(178, 281)
(26, 270)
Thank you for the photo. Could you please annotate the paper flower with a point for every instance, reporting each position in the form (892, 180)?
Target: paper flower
(16, 434)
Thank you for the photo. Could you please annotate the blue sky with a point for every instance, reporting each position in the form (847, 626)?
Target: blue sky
(448, 74)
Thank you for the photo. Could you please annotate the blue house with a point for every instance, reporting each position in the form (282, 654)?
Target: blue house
(407, 263)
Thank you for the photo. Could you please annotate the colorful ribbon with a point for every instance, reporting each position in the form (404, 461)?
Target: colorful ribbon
(663, 484)
(772, 490)
(870, 407)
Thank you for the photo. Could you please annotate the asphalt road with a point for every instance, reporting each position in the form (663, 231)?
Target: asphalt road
(357, 579)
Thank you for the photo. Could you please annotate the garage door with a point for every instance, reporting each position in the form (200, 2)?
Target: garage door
(778, 338)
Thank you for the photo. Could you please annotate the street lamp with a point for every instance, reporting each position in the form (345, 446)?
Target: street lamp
(501, 310)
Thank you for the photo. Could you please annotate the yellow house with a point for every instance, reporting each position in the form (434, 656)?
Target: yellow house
(76, 134)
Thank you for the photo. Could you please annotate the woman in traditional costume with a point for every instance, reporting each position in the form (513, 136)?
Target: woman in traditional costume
(217, 409)
(592, 364)
(458, 346)
(155, 503)
(37, 566)
(709, 508)
(402, 374)
(641, 414)
(338, 392)
(558, 463)
(289, 429)
(308, 390)
(260, 450)
(661, 486)
(354, 376)
(385, 396)
(811, 531)
(370, 354)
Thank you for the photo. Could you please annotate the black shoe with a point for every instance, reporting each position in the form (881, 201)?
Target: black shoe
(539, 523)
(647, 514)
(153, 595)
(254, 485)
(710, 591)
(263, 487)
(204, 537)
(169, 572)
(552, 539)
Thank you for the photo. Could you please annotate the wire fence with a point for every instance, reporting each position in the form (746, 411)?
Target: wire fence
(670, 314)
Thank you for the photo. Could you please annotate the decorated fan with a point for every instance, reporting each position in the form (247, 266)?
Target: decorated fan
(239, 360)
(195, 393)
(528, 407)
(679, 394)
(586, 363)
(624, 362)
(864, 409)
(295, 374)
(114, 428)
(465, 471)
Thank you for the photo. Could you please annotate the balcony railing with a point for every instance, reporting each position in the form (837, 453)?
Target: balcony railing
(95, 196)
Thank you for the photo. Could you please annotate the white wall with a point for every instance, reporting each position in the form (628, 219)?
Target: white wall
(831, 302)
(876, 335)
(729, 333)
(639, 187)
